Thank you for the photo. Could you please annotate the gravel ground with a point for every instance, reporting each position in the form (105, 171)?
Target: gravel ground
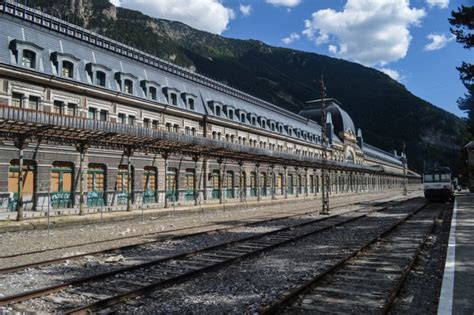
(420, 292)
(89, 238)
(34, 278)
(245, 286)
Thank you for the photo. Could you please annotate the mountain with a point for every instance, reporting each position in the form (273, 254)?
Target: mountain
(384, 109)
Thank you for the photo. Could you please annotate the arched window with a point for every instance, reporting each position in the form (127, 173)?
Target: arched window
(61, 184)
(150, 184)
(29, 182)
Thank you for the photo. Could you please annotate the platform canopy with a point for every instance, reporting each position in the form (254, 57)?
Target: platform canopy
(18, 123)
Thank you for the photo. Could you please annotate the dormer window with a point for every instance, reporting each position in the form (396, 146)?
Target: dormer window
(126, 82)
(254, 121)
(67, 69)
(128, 86)
(28, 59)
(242, 118)
(27, 54)
(191, 103)
(98, 74)
(231, 114)
(217, 111)
(152, 93)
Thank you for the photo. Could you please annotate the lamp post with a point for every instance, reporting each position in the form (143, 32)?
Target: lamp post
(404, 161)
(324, 138)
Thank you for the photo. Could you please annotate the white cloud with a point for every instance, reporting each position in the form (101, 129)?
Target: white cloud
(246, 10)
(291, 38)
(207, 15)
(443, 4)
(438, 41)
(392, 73)
(332, 49)
(372, 32)
(284, 3)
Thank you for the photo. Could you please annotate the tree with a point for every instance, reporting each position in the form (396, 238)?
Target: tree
(463, 26)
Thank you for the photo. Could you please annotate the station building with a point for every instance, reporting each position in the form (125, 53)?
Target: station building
(88, 122)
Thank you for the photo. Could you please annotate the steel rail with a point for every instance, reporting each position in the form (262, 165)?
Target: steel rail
(293, 294)
(75, 282)
(161, 238)
(101, 304)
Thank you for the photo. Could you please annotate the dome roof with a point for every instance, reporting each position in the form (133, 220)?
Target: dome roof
(340, 118)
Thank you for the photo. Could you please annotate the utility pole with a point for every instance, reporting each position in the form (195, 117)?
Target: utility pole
(324, 171)
(404, 161)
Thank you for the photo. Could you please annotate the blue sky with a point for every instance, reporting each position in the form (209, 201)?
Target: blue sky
(390, 35)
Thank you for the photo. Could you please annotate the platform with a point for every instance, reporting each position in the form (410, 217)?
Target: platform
(457, 292)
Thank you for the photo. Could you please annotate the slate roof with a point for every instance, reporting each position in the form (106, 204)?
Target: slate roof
(21, 23)
(377, 153)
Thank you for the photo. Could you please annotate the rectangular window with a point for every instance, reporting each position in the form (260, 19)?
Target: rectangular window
(92, 114)
(152, 93)
(176, 128)
(169, 127)
(28, 59)
(103, 115)
(128, 87)
(191, 103)
(174, 99)
(242, 118)
(100, 78)
(231, 114)
(131, 120)
(68, 69)
(33, 102)
(71, 109)
(17, 100)
(121, 118)
(155, 124)
(58, 107)
(218, 111)
(146, 123)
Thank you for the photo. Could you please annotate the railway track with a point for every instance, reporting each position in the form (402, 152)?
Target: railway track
(369, 278)
(107, 289)
(163, 236)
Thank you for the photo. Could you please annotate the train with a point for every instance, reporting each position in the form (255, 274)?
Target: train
(438, 184)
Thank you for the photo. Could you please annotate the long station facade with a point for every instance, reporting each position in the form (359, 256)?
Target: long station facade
(88, 122)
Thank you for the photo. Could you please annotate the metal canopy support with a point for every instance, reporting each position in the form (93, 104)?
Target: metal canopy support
(272, 166)
(220, 182)
(165, 157)
(82, 149)
(285, 184)
(257, 180)
(404, 161)
(306, 182)
(195, 182)
(129, 153)
(21, 144)
(241, 181)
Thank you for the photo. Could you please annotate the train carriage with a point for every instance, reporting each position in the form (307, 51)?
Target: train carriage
(438, 184)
